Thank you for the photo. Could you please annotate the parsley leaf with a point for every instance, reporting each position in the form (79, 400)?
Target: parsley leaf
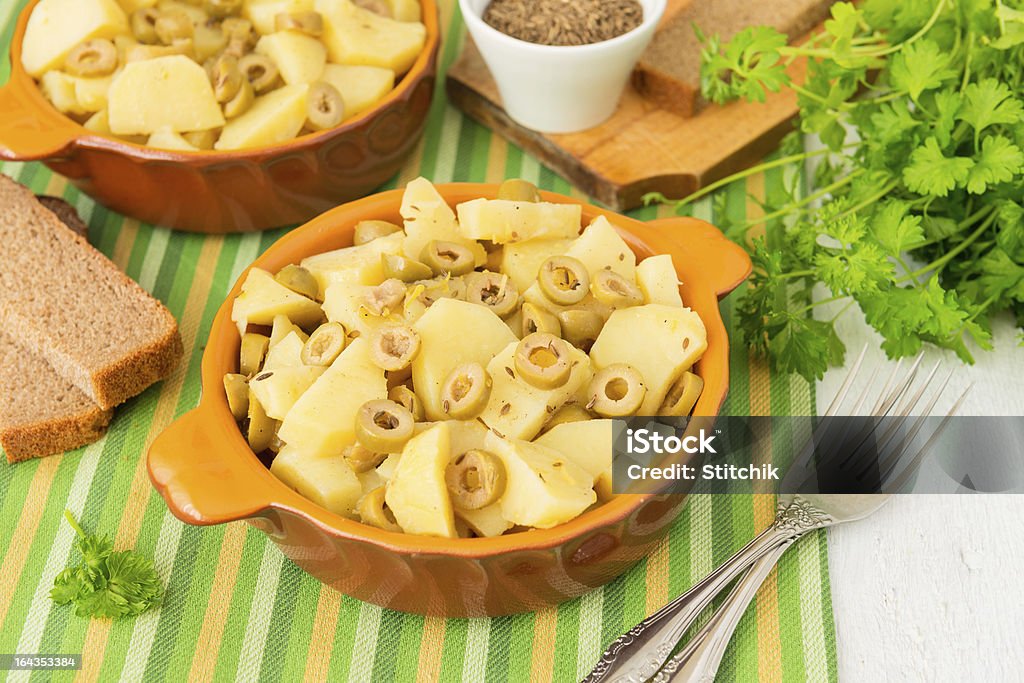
(998, 162)
(108, 584)
(918, 67)
(932, 173)
(894, 229)
(989, 103)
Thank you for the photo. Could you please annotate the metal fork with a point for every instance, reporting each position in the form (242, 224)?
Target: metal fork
(638, 655)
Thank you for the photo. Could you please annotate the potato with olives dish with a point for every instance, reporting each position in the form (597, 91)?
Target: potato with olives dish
(218, 74)
(460, 374)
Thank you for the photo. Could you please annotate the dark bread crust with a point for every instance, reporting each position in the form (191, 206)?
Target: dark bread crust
(67, 214)
(54, 435)
(141, 344)
(668, 72)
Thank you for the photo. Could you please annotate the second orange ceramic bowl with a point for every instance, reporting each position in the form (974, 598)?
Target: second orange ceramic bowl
(204, 469)
(219, 192)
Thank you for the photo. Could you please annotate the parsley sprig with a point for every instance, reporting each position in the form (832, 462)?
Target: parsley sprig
(107, 584)
(916, 207)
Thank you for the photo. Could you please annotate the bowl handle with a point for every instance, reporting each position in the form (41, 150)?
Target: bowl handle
(192, 474)
(725, 262)
(29, 131)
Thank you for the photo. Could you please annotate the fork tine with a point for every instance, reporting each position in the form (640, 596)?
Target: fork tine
(903, 413)
(914, 464)
(887, 462)
(847, 383)
(888, 401)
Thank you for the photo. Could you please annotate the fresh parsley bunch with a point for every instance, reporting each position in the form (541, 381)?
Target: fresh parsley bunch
(108, 583)
(917, 212)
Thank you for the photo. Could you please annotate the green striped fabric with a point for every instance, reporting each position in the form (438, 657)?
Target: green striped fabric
(235, 609)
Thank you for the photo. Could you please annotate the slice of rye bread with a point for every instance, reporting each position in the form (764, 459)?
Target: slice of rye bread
(668, 72)
(66, 213)
(41, 413)
(60, 297)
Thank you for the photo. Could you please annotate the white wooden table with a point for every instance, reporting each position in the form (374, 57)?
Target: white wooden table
(931, 588)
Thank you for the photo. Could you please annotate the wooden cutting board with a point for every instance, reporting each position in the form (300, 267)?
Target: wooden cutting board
(642, 148)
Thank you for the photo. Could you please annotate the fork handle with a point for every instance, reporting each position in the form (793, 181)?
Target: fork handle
(638, 654)
(700, 659)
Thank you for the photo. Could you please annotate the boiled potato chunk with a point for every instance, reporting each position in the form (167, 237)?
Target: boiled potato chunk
(299, 57)
(600, 247)
(278, 390)
(327, 481)
(487, 521)
(98, 123)
(166, 92)
(263, 298)
(417, 493)
(91, 93)
(521, 261)
(658, 280)
(322, 421)
(165, 138)
(56, 27)
(275, 117)
(287, 353)
(451, 333)
(354, 35)
(345, 303)
(544, 488)
(588, 443)
(59, 88)
(359, 265)
(673, 340)
(516, 408)
(503, 221)
(405, 10)
(130, 6)
(262, 12)
(361, 87)
(466, 435)
(428, 217)
(282, 328)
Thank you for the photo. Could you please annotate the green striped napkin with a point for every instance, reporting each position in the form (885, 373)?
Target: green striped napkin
(236, 609)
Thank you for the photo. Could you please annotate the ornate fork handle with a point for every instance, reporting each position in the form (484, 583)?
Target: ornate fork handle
(699, 661)
(638, 654)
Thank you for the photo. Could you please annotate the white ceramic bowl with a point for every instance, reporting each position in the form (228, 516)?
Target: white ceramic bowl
(560, 89)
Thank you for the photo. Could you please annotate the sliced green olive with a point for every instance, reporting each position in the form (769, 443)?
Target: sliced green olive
(404, 269)
(406, 397)
(517, 190)
(239, 34)
(386, 298)
(310, 23)
(536, 319)
(92, 58)
(580, 327)
(566, 414)
(614, 290)
(465, 392)
(384, 426)
(362, 459)
(236, 387)
(616, 391)
(393, 347)
(448, 257)
(475, 479)
(261, 427)
(564, 280)
(682, 396)
(543, 360)
(494, 291)
(260, 71)
(325, 108)
(299, 280)
(241, 102)
(368, 231)
(374, 511)
(143, 22)
(172, 26)
(325, 345)
(253, 350)
(203, 139)
(226, 78)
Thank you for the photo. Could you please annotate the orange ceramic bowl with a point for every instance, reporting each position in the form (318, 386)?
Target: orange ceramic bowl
(218, 192)
(204, 469)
